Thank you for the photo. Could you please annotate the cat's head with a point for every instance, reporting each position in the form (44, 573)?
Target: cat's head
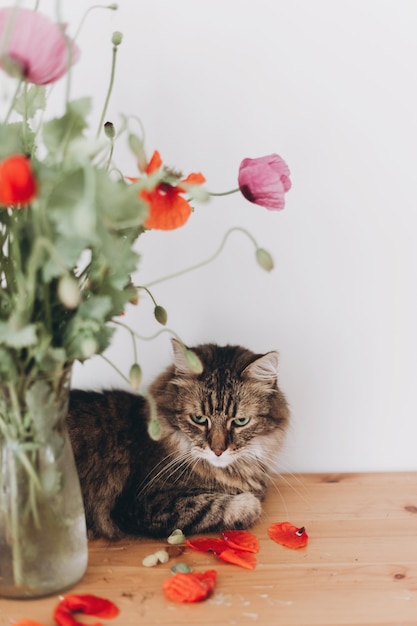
(231, 412)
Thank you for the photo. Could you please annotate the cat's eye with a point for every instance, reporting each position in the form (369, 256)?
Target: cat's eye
(241, 421)
(199, 419)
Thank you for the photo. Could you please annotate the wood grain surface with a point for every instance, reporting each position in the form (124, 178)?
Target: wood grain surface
(358, 569)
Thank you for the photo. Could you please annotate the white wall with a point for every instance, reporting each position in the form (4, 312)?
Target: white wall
(330, 85)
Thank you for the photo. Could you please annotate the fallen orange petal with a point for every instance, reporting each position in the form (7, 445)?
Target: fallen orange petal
(242, 540)
(288, 535)
(235, 546)
(87, 604)
(238, 557)
(190, 587)
(207, 544)
(27, 622)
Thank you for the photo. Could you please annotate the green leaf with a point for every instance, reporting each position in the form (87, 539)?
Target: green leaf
(21, 338)
(96, 307)
(71, 206)
(51, 359)
(10, 139)
(32, 101)
(62, 130)
(8, 371)
(43, 409)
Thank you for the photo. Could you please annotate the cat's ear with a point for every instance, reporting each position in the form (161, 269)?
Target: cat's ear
(264, 369)
(185, 360)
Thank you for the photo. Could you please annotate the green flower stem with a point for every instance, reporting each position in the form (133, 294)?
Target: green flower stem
(34, 486)
(16, 407)
(109, 90)
(40, 246)
(206, 261)
(223, 193)
(113, 7)
(25, 118)
(14, 521)
(12, 102)
(110, 155)
(29, 469)
(149, 337)
(116, 369)
(148, 292)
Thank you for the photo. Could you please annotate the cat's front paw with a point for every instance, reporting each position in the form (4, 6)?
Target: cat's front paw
(243, 510)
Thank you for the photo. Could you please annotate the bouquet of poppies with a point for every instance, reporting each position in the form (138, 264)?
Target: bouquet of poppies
(69, 219)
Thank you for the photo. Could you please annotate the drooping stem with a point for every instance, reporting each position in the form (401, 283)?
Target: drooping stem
(210, 259)
(116, 369)
(224, 193)
(149, 337)
(112, 7)
(148, 291)
(109, 90)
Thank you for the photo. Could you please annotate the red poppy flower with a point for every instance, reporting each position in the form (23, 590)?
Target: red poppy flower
(87, 604)
(168, 209)
(235, 546)
(17, 182)
(190, 587)
(288, 535)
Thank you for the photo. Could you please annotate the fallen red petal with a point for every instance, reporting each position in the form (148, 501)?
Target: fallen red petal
(235, 546)
(207, 544)
(190, 587)
(87, 604)
(288, 535)
(238, 557)
(27, 622)
(242, 540)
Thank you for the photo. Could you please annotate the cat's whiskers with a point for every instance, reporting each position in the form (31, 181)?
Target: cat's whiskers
(268, 460)
(167, 471)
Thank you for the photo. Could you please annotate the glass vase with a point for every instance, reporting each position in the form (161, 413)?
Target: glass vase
(43, 539)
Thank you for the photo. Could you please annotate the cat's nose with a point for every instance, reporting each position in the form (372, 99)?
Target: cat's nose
(217, 451)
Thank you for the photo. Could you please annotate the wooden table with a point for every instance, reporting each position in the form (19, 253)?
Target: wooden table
(359, 568)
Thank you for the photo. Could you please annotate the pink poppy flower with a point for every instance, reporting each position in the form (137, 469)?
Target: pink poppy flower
(33, 46)
(265, 181)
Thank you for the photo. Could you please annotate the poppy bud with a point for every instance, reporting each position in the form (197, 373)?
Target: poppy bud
(193, 361)
(264, 259)
(69, 292)
(161, 315)
(89, 347)
(109, 130)
(116, 38)
(154, 429)
(135, 376)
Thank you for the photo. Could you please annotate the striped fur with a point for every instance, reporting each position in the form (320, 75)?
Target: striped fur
(221, 433)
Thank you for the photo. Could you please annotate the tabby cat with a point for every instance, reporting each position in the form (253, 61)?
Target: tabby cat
(221, 431)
